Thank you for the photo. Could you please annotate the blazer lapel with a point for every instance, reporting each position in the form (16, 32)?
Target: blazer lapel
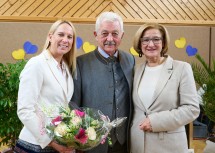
(123, 64)
(54, 70)
(164, 77)
(138, 77)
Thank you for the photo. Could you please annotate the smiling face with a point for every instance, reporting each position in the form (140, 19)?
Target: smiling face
(61, 41)
(109, 36)
(151, 44)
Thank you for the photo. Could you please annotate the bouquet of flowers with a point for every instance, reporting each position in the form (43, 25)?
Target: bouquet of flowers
(82, 128)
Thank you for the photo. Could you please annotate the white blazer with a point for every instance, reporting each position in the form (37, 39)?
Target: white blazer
(41, 86)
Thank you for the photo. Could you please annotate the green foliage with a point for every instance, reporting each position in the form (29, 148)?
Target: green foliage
(10, 125)
(205, 77)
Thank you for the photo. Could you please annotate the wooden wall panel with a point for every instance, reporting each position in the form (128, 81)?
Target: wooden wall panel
(24, 7)
(210, 8)
(181, 12)
(76, 7)
(40, 8)
(31, 8)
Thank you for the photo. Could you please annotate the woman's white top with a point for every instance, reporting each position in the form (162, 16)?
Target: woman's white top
(148, 84)
(62, 71)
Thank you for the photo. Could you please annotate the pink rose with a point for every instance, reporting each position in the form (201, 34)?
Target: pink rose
(81, 136)
(57, 120)
(79, 113)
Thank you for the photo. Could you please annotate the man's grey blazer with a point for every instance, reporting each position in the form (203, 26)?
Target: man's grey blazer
(92, 88)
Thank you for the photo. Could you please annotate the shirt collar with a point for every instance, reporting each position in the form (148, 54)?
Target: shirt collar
(58, 65)
(102, 52)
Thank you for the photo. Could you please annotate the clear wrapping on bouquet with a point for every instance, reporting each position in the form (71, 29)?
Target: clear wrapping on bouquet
(82, 128)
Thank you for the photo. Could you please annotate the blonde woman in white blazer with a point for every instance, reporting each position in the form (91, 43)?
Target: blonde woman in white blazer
(46, 82)
(164, 96)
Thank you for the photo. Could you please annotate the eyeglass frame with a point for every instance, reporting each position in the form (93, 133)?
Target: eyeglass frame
(153, 39)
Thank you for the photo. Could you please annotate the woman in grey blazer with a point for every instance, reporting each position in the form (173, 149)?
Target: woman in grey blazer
(164, 96)
(46, 82)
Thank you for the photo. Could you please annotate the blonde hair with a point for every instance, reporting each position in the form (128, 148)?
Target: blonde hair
(140, 32)
(70, 57)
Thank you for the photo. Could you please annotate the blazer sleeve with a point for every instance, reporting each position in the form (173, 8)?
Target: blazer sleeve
(31, 81)
(188, 105)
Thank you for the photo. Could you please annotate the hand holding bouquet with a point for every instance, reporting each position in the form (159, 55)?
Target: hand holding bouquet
(81, 129)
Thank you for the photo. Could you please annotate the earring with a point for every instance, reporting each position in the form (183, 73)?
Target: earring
(140, 54)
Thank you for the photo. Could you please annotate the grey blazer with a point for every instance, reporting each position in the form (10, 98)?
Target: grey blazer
(175, 104)
(92, 88)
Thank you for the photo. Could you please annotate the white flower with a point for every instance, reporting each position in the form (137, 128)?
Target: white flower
(91, 133)
(61, 129)
(76, 121)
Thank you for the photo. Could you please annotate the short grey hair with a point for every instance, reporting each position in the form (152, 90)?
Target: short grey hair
(109, 16)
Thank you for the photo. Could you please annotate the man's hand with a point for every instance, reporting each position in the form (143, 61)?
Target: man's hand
(60, 148)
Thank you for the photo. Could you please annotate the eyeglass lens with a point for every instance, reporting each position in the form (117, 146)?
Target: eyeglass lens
(155, 40)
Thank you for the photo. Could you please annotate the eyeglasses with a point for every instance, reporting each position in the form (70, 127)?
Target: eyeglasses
(155, 40)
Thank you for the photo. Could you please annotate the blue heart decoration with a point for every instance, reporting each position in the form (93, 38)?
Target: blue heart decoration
(30, 48)
(79, 42)
(191, 51)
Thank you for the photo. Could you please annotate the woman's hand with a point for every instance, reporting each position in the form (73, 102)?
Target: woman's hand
(146, 125)
(60, 148)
